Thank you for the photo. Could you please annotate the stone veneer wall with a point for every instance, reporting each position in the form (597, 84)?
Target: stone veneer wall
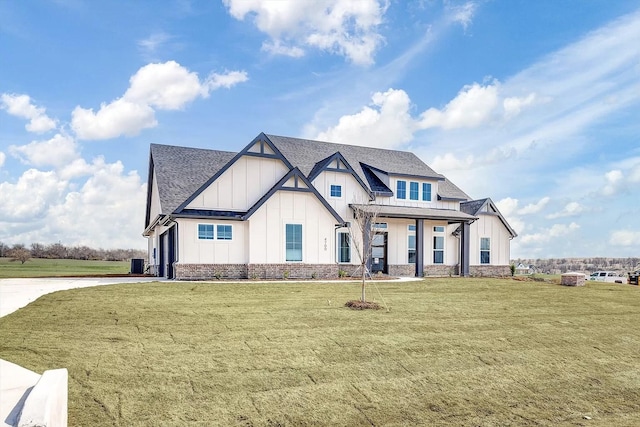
(490, 270)
(210, 271)
(440, 270)
(402, 270)
(293, 271)
(255, 271)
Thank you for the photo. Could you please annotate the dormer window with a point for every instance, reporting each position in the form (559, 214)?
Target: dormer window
(413, 190)
(401, 190)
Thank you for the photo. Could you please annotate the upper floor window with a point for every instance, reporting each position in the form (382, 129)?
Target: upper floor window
(426, 192)
(205, 231)
(401, 188)
(293, 242)
(224, 232)
(485, 250)
(413, 190)
(336, 191)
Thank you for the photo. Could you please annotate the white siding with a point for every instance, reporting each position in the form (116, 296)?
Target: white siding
(242, 185)
(352, 191)
(267, 229)
(489, 226)
(154, 208)
(192, 250)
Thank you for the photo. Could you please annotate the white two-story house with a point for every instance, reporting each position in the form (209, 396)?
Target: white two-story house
(284, 207)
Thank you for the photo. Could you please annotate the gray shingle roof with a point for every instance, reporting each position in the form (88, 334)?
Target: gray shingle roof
(180, 171)
(305, 153)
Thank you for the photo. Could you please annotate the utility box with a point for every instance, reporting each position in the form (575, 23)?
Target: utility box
(137, 266)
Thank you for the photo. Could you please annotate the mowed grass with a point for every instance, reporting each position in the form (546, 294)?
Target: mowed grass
(467, 352)
(39, 267)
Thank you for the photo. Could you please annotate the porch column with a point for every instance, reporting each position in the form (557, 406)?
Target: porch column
(464, 249)
(419, 247)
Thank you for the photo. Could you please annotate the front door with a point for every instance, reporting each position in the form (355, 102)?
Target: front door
(379, 253)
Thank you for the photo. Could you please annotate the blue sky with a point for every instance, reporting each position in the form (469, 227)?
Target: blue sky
(535, 104)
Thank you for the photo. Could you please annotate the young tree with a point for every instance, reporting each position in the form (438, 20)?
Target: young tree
(361, 233)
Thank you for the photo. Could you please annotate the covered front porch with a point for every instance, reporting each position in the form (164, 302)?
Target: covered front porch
(416, 241)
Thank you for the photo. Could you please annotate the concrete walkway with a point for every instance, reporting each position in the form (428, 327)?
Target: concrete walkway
(17, 382)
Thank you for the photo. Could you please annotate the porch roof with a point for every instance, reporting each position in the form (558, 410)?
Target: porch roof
(415, 213)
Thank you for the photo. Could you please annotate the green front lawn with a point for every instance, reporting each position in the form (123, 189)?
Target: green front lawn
(468, 352)
(39, 267)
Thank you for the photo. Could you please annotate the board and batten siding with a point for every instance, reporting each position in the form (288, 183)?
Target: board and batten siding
(241, 185)
(154, 207)
(192, 250)
(352, 191)
(490, 226)
(267, 229)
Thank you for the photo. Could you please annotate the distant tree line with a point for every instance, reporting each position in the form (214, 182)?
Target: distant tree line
(580, 265)
(59, 251)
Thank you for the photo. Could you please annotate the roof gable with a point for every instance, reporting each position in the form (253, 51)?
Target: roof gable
(485, 207)
(180, 171)
(293, 181)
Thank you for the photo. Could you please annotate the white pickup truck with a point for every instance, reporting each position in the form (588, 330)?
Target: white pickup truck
(607, 276)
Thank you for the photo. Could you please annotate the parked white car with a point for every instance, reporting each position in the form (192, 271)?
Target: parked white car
(607, 276)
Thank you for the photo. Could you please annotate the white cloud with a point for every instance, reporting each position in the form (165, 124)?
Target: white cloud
(163, 86)
(343, 27)
(120, 117)
(614, 179)
(534, 208)
(227, 80)
(386, 123)
(570, 209)
(472, 107)
(507, 206)
(44, 207)
(152, 44)
(557, 230)
(462, 14)
(166, 86)
(625, 238)
(2, 157)
(21, 106)
(57, 151)
(514, 105)
(31, 196)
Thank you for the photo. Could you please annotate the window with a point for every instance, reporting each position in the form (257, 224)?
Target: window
(412, 249)
(401, 192)
(411, 227)
(438, 249)
(293, 243)
(224, 232)
(438, 229)
(205, 231)
(413, 190)
(344, 247)
(485, 250)
(426, 192)
(379, 226)
(336, 191)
